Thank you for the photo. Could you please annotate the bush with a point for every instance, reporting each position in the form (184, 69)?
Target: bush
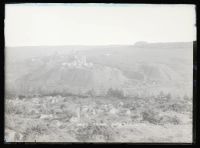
(115, 93)
(11, 108)
(172, 120)
(90, 93)
(34, 130)
(177, 107)
(161, 94)
(168, 96)
(135, 118)
(91, 131)
(150, 116)
(155, 118)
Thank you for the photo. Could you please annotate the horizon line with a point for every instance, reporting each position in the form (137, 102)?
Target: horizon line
(145, 42)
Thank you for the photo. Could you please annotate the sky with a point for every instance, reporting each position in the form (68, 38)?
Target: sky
(97, 24)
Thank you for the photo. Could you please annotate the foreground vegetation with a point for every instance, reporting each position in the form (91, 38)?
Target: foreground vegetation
(57, 118)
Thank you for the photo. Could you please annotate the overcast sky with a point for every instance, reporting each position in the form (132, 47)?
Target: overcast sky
(97, 24)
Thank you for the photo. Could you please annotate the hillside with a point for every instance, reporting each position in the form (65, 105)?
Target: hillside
(60, 77)
(74, 69)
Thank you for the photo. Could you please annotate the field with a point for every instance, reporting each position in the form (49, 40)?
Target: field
(97, 119)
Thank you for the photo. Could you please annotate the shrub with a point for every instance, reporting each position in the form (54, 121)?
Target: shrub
(21, 96)
(161, 94)
(150, 116)
(34, 130)
(135, 117)
(54, 94)
(168, 119)
(177, 107)
(11, 108)
(175, 120)
(91, 131)
(168, 96)
(115, 93)
(90, 93)
(10, 122)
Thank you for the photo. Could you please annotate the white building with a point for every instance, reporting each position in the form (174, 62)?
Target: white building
(79, 62)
